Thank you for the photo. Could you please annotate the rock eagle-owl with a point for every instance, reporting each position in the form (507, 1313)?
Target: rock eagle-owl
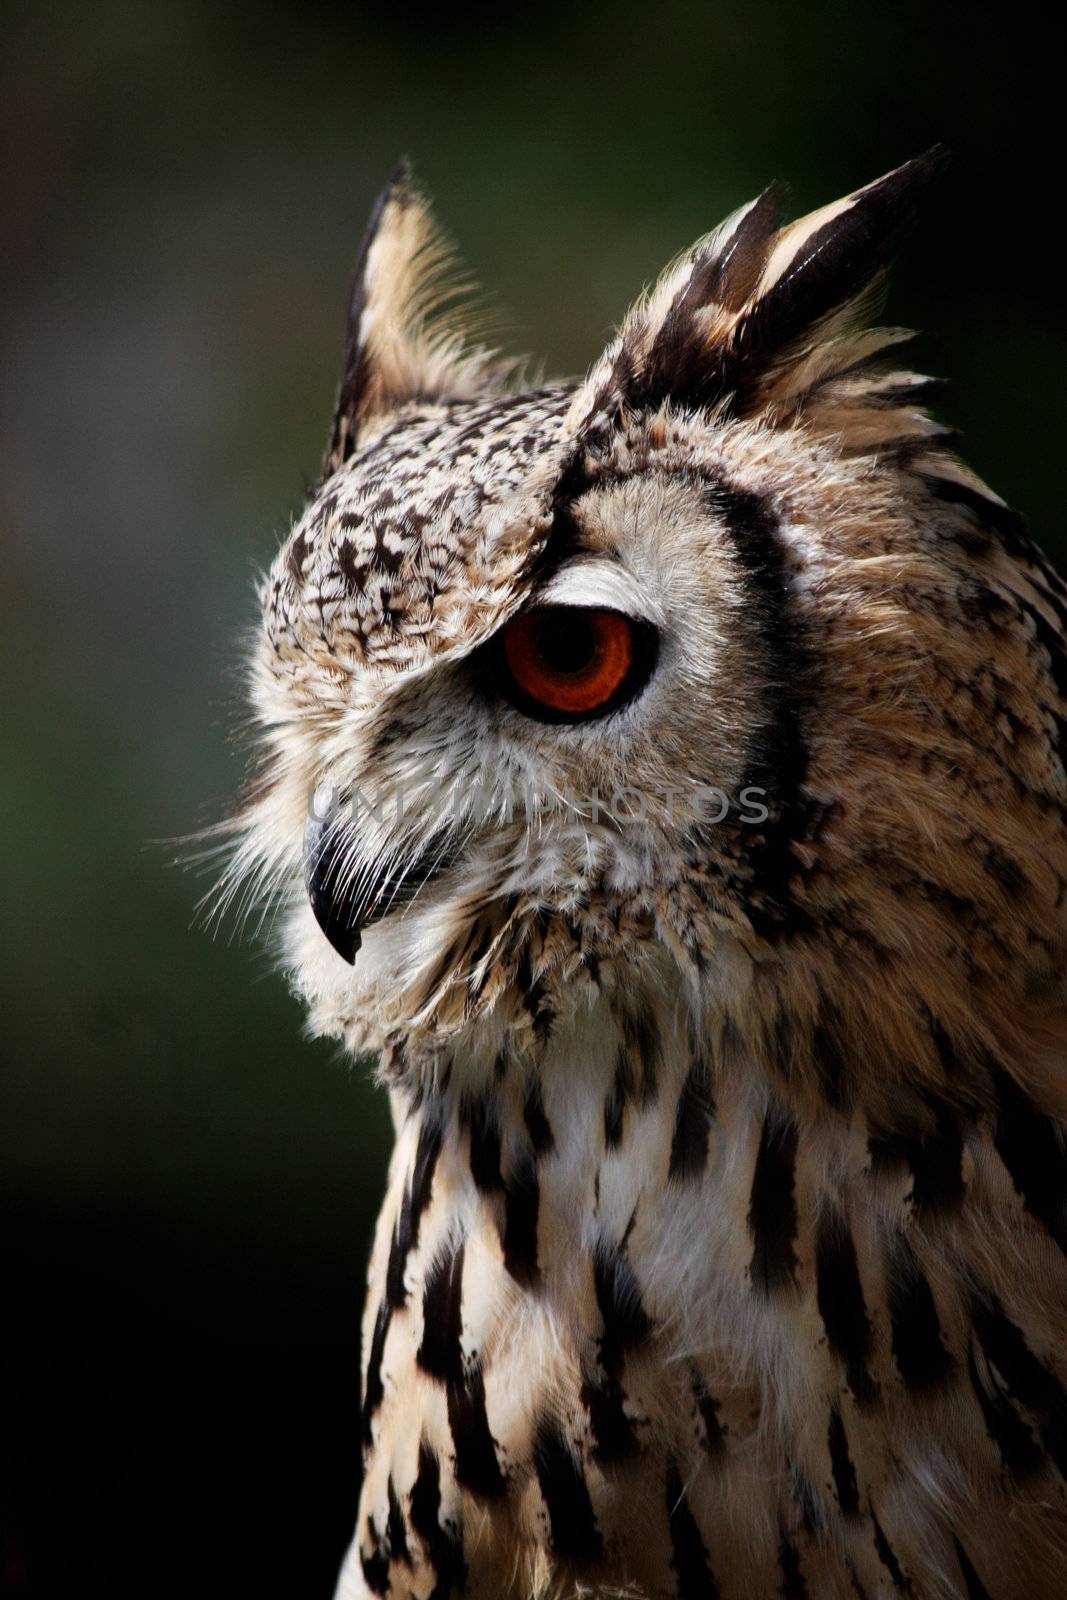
(663, 778)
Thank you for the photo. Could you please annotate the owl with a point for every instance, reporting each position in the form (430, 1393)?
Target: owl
(662, 779)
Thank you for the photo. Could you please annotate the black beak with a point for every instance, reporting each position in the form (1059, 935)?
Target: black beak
(345, 903)
(338, 913)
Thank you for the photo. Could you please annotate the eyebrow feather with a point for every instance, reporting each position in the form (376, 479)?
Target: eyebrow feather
(602, 581)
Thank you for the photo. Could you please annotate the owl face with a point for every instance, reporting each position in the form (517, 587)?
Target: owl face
(630, 671)
(505, 711)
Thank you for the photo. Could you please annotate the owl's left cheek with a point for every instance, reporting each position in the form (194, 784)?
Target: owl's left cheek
(346, 891)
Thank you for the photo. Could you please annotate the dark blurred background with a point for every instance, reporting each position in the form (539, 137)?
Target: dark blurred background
(188, 1183)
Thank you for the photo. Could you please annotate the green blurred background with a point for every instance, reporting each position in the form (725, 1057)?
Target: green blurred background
(189, 1183)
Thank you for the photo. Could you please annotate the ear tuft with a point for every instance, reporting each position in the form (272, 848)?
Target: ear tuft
(721, 276)
(829, 261)
(410, 325)
(750, 304)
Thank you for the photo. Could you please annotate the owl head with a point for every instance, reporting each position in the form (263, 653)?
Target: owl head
(715, 668)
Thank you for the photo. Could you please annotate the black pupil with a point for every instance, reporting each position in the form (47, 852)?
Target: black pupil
(566, 644)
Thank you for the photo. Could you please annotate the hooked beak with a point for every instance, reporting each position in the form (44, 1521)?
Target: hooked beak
(345, 902)
(338, 914)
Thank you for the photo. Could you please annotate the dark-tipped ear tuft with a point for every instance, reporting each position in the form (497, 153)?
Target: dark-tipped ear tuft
(724, 326)
(723, 275)
(825, 261)
(355, 375)
(404, 339)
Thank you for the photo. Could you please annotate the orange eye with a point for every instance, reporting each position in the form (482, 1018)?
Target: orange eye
(563, 663)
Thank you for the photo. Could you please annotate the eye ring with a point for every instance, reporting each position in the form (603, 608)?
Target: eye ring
(560, 663)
